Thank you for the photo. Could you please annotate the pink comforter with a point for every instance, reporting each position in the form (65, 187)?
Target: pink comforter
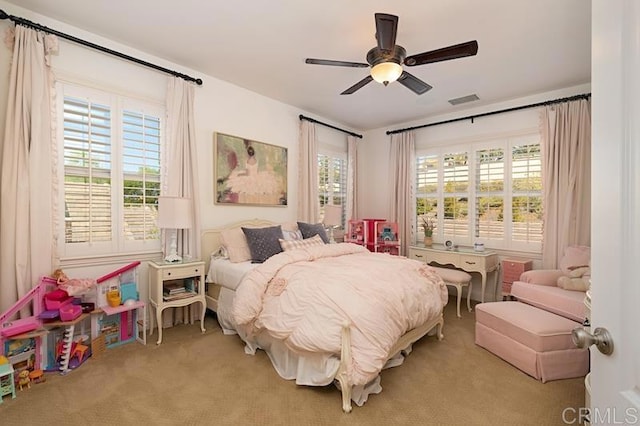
(305, 296)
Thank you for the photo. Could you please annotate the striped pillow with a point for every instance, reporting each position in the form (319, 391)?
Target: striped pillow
(298, 244)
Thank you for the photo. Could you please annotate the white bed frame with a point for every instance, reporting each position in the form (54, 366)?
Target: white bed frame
(211, 240)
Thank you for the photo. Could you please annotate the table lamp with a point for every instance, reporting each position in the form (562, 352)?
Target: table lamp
(332, 219)
(174, 213)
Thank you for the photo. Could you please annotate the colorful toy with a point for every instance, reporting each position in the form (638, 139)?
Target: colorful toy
(113, 297)
(120, 323)
(11, 327)
(7, 384)
(70, 312)
(47, 340)
(24, 380)
(73, 286)
(37, 376)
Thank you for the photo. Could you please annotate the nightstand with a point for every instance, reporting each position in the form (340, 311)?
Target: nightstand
(173, 285)
(511, 271)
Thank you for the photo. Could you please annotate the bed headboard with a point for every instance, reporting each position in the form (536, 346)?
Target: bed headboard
(211, 239)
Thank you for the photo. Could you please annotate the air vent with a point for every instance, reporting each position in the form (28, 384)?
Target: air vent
(464, 99)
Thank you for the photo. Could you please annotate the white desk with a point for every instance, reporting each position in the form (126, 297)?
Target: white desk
(463, 258)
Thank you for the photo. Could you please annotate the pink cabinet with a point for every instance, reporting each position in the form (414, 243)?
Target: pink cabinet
(386, 238)
(511, 271)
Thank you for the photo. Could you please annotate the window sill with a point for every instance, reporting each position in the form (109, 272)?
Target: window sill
(108, 259)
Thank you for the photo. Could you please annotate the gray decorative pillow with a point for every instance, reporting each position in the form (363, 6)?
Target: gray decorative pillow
(263, 242)
(309, 230)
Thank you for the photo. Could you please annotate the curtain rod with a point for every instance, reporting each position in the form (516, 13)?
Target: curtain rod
(302, 117)
(471, 117)
(27, 23)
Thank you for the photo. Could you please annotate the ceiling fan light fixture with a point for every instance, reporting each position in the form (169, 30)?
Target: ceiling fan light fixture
(386, 72)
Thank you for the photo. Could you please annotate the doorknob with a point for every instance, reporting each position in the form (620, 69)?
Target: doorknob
(600, 337)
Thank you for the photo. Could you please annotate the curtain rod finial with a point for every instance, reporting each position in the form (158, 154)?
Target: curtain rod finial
(199, 81)
(3, 14)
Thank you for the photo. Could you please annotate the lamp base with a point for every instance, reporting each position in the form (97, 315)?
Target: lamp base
(172, 258)
(173, 255)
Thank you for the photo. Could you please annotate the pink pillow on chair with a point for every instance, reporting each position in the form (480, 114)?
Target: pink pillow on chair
(575, 256)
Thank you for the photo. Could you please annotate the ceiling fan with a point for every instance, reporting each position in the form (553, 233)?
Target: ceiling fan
(387, 57)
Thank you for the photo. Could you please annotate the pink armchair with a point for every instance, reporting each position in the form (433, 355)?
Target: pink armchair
(539, 287)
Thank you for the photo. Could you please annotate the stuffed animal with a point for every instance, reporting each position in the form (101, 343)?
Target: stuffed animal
(578, 279)
(24, 380)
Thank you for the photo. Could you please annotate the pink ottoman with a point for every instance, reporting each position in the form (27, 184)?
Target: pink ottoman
(531, 339)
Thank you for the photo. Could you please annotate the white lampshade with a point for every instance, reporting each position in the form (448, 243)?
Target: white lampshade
(174, 212)
(386, 72)
(332, 215)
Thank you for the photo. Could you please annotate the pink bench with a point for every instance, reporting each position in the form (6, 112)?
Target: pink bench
(534, 340)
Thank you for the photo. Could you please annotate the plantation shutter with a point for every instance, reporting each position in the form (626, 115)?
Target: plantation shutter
(456, 194)
(490, 168)
(526, 172)
(332, 177)
(87, 171)
(426, 188)
(141, 175)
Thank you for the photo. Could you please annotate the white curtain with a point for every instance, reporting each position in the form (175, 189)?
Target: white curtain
(351, 211)
(402, 173)
(308, 201)
(566, 174)
(28, 163)
(180, 167)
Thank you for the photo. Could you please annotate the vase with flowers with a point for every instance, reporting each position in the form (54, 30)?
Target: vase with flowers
(428, 225)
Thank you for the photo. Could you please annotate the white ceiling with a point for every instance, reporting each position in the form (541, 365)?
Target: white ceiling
(525, 47)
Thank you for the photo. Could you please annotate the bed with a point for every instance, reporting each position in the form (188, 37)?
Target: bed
(248, 299)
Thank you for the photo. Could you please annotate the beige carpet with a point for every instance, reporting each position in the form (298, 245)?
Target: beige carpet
(196, 379)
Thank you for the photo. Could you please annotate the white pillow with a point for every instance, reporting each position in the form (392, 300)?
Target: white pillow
(236, 245)
(288, 245)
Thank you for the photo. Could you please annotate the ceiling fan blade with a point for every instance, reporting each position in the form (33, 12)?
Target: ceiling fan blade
(413, 83)
(386, 30)
(368, 79)
(335, 63)
(461, 50)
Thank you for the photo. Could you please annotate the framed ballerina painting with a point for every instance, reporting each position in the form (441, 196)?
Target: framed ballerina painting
(248, 172)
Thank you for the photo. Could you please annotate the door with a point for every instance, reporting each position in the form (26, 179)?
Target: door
(615, 200)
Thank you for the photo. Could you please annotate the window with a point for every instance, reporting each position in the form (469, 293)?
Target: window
(332, 176)
(111, 172)
(427, 188)
(489, 192)
(526, 204)
(489, 215)
(455, 175)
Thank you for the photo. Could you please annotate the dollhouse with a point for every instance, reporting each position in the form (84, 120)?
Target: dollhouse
(377, 235)
(59, 334)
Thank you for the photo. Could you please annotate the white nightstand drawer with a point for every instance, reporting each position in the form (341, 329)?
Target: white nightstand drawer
(181, 272)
